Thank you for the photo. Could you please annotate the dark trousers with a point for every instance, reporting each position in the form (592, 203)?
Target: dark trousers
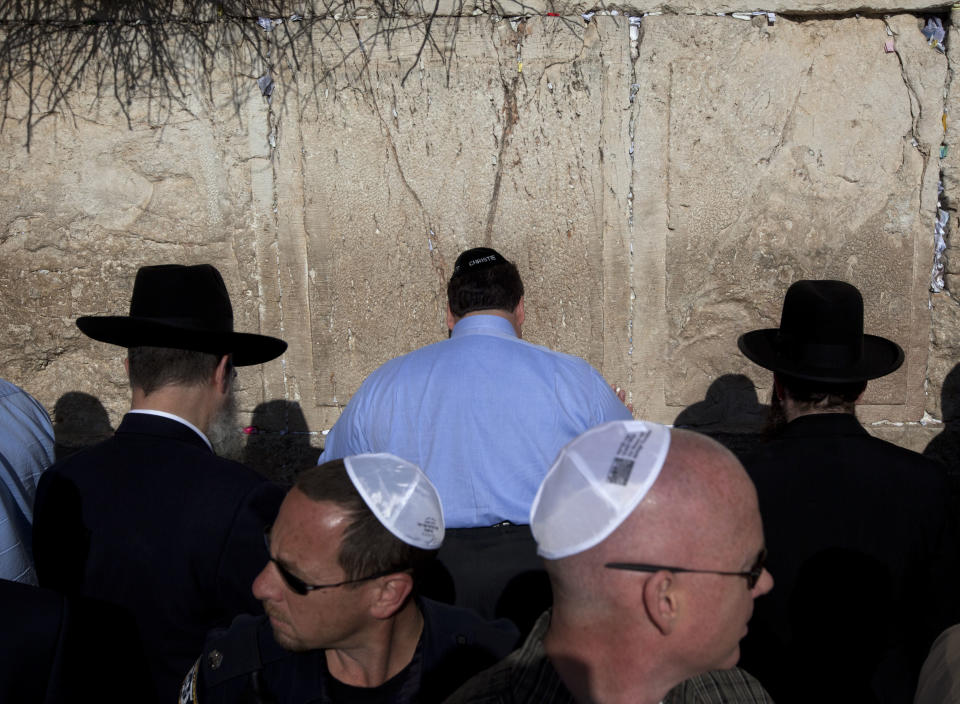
(495, 571)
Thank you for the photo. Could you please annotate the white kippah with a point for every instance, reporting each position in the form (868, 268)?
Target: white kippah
(401, 496)
(595, 483)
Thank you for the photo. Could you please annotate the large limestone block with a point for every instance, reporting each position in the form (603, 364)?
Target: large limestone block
(196, 17)
(950, 167)
(399, 163)
(105, 188)
(658, 195)
(801, 150)
(196, 20)
(685, 7)
(571, 8)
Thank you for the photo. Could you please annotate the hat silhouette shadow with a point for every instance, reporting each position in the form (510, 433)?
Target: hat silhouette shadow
(79, 421)
(730, 412)
(278, 441)
(729, 406)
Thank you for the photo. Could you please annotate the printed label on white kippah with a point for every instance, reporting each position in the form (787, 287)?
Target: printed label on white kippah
(622, 464)
(429, 527)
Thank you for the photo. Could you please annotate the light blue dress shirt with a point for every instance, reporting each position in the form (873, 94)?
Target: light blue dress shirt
(483, 413)
(26, 449)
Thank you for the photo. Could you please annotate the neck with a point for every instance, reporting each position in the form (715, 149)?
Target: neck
(512, 317)
(792, 410)
(598, 668)
(386, 649)
(192, 403)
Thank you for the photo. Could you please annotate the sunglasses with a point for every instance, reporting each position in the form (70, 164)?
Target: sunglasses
(752, 575)
(298, 586)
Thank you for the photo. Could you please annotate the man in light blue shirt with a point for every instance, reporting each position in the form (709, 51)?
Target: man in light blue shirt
(26, 450)
(484, 413)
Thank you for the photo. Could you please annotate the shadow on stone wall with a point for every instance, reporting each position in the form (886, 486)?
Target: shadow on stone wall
(730, 413)
(945, 447)
(79, 420)
(277, 446)
(278, 443)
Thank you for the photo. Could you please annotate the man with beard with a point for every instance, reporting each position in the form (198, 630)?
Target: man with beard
(151, 522)
(859, 530)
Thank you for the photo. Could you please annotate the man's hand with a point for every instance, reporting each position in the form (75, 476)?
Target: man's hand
(622, 395)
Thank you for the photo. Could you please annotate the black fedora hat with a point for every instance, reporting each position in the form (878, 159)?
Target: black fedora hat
(183, 307)
(821, 338)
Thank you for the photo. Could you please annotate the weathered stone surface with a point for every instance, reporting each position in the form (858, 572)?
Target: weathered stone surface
(695, 7)
(658, 196)
(92, 200)
(912, 436)
(201, 12)
(497, 144)
(777, 167)
(574, 8)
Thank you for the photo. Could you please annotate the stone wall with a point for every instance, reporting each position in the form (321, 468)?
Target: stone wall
(659, 182)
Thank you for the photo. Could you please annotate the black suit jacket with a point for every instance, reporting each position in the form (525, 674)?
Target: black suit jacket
(53, 649)
(863, 552)
(152, 522)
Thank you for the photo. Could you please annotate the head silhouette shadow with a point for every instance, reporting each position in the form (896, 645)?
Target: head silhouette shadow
(79, 421)
(730, 412)
(278, 441)
(945, 447)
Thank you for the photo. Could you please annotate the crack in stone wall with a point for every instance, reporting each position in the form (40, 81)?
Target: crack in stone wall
(337, 207)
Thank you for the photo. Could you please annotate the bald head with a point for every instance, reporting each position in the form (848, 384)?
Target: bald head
(701, 500)
(701, 497)
(663, 597)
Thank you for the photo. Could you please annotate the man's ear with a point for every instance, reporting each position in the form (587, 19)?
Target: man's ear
(126, 365)
(778, 387)
(451, 320)
(222, 374)
(392, 593)
(661, 599)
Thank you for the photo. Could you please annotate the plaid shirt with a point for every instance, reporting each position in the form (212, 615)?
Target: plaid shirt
(526, 675)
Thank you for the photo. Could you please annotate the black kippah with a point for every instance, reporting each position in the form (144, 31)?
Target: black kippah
(475, 259)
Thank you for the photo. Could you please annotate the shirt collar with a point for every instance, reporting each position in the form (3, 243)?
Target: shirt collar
(171, 416)
(819, 423)
(483, 324)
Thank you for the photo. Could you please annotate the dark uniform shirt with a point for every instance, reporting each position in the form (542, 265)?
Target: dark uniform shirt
(245, 664)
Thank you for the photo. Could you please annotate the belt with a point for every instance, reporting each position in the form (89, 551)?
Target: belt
(503, 527)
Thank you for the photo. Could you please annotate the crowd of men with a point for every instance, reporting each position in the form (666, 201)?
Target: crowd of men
(487, 524)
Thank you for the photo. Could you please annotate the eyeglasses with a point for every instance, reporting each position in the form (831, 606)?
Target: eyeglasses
(752, 575)
(300, 587)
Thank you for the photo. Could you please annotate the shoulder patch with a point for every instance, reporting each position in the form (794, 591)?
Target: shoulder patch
(188, 690)
(231, 653)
